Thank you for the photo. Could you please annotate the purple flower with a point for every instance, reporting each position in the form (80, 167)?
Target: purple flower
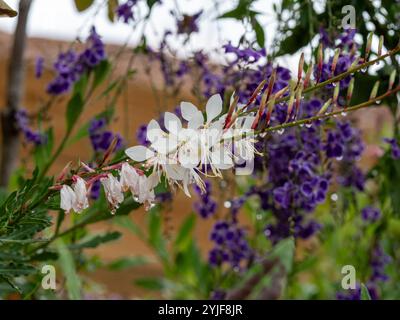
(230, 245)
(100, 138)
(31, 136)
(370, 214)
(394, 146)
(39, 67)
(206, 206)
(70, 66)
(125, 11)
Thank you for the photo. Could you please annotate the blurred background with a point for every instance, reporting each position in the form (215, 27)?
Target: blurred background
(53, 25)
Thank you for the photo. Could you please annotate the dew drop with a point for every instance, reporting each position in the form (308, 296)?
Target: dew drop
(334, 197)
(281, 131)
(227, 204)
(378, 101)
(309, 125)
(334, 84)
(136, 198)
(267, 233)
(344, 113)
(258, 216)
(301, 125)
(339, 158)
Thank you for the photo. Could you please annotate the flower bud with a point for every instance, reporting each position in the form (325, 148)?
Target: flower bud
(350, 91)
(381, 39)
(368, 45)
(336, 93)
(308, 75)
(300, 68)
(374, 91)
(334, 61)
(391, 79)
(320, 59)
(325, 107)
(290, 104)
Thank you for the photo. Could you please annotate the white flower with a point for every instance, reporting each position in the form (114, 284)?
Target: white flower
(68, 198)
(129, 178)
(76, 198)
(81, 202)
(145, 192)
(182, 153)
(113, 190)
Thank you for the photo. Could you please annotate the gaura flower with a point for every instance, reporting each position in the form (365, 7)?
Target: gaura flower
(182, 154)
(76, 198)
(113, 191)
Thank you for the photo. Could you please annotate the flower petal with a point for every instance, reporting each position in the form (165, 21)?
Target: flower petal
(188, 110)
(172, 123)
(213, 107)
(153, 131)
(196, 121)
(139, 153)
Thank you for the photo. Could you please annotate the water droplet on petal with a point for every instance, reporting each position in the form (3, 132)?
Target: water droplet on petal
(227, 204)
(339, 158)
(334, 197)
(308, 125)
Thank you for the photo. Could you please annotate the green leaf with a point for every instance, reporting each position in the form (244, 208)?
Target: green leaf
(127, 262)
(73, 282)
(111, 7)
(185, 233)
(101, 72)
(82, 5)
(364, 292)
(126, 222)
(43, 151)
(151, 3)
(241, 11)
(97, 240)
(74, 110)
(260, 35)
(15, 270)
(284, 250)
(155, 284)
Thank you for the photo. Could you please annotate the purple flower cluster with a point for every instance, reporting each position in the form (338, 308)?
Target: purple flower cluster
(346, 58)
(230, 245)
(70, 65)
(39, 65)
(125, 11)
(244, 79)
(206, 206)
(378, 261)
(32, 136)
(395, 148)
(344, 143)
(101, 138)
(344, 40)
(370, 214)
